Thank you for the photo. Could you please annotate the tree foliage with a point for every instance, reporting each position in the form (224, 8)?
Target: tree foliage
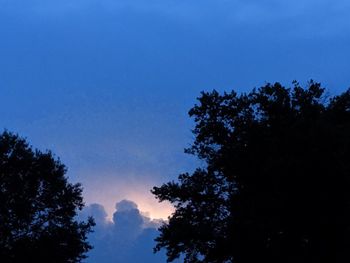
(274, 187)
(38, 207)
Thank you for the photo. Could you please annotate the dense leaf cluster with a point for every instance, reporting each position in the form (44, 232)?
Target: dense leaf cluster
(38, 207)
(275, 184)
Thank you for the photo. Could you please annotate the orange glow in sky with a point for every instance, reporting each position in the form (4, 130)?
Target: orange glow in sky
(108, 191)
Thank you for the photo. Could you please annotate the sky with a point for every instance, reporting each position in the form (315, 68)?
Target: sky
(107, 84)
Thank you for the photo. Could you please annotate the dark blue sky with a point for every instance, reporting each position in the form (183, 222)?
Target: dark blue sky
(106, 84)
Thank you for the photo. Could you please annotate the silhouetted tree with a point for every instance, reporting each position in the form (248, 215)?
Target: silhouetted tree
(38, 207)
(275, 184)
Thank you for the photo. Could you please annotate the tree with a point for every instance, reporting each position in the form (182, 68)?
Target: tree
(38, 207)
(274, 187)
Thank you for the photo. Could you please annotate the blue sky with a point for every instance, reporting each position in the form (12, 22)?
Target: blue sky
(107, 84)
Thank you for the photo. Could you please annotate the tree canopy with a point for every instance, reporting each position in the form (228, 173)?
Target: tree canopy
(38, 207)
(274, 184)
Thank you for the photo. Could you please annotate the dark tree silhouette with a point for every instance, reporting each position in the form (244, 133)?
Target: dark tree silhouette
(38, 207)
(275, 184)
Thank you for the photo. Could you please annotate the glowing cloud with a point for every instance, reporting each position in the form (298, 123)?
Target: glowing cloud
(127, 238)
(109, 189)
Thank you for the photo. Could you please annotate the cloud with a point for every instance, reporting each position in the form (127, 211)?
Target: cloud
(128, 238)
(97, 211)
(125, 205)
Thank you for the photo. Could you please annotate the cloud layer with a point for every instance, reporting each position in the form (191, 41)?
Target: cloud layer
(128, 238)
